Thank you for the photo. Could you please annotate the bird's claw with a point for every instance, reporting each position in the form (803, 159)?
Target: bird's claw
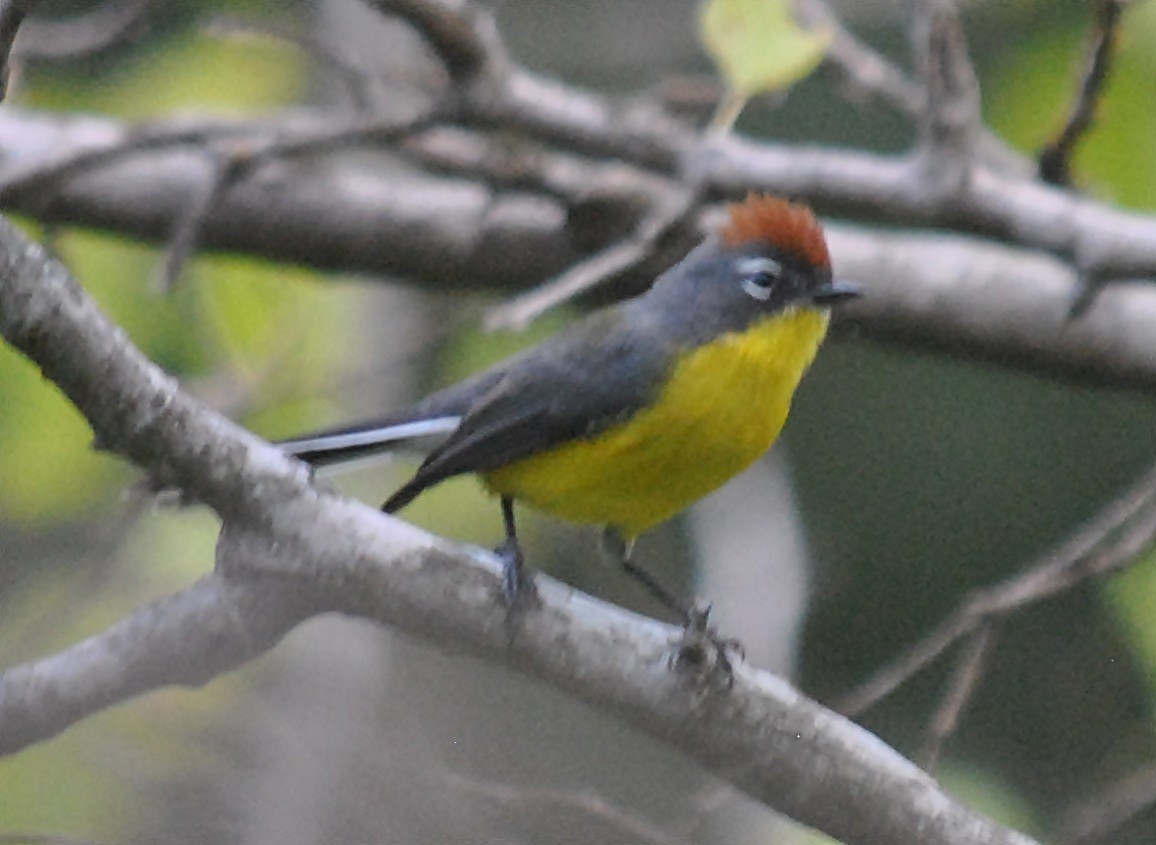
(704, 650)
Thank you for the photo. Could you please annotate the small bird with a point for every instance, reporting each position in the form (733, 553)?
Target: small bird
(637, 410)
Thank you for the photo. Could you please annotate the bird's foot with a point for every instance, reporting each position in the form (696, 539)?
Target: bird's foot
(703, 650)
(517, 586)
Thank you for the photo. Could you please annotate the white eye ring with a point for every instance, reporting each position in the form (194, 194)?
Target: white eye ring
(753, 268)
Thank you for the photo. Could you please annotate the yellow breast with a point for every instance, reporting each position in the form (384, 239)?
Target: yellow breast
(722, 407)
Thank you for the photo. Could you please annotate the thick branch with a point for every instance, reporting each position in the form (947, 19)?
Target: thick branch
(961, 296)
(981, 301)
(760, 733)
(457, 234)
(189, 639)
(1101, 240)
(1096, 237)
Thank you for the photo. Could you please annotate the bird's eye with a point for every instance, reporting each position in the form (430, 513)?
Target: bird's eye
(759, 276)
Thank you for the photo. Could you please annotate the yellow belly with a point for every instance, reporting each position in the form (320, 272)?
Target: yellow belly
(722, 408)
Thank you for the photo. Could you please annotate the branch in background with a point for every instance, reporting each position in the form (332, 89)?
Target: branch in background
(866, 73)
(522, 799)
(1104, 243)
(111, 23)
(451, 234)
(188, 639)
(98, 145)
(1094, 821)
(951, 121)
(979, 301)
(960, 689)
(961, 296)
(1055, 160)
(224, 171)
(230, 163)
(618, 194)
(288, 551)
(668, 220)
(1112, 541)
(91, 146)
(12, 14)
(1099, 239)
(462, 35)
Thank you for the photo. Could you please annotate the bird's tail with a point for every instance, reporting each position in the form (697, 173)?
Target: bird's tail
(363, 440)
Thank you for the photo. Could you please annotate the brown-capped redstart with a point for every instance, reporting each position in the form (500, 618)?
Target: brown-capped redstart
(637, 410)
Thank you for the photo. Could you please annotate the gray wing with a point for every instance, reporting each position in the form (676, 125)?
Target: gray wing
(571, 386)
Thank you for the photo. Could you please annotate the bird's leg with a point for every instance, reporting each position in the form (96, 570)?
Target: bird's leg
(698, 634)
(510, 552)
(618, 549)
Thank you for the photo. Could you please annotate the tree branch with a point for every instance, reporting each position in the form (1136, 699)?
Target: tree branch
(961, 296)
(12, 14)
(88, 34)
(981, 301)
(950, 121)
(1056, 157)
(1114, 539)
(332, 553)
(187, 639)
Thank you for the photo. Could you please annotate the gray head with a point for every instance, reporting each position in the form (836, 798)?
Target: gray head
(771, 256)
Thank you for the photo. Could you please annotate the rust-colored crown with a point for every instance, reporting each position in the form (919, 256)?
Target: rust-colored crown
(786, 225)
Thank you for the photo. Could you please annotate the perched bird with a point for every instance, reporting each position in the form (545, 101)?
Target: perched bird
(637, 410)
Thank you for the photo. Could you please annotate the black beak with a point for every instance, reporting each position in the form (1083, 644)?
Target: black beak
(834, 291)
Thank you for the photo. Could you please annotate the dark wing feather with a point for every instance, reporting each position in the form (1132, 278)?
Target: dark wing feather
(572, 386)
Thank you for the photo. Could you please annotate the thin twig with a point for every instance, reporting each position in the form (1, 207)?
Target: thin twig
(591, 804)
(462, 35)
(226, 170)
(621, 191)
(229, 166)
(617, 259)
(868, 75)
(46, 176)
(372, 130)
(1095, 820)
(1055, 158)
(964, 682)
(865, 72)
(1113, 540)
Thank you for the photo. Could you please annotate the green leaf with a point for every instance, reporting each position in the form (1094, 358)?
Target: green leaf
(758, 45)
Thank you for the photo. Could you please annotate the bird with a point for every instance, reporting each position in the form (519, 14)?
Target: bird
(637, 410)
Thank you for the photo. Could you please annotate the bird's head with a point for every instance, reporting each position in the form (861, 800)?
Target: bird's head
(778, 253)
(769, 257)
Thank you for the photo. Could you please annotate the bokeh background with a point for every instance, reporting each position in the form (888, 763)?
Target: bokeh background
(903, 481)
